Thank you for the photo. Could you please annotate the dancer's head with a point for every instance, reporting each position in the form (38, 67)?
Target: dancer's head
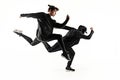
(82, 28)
(52, 10)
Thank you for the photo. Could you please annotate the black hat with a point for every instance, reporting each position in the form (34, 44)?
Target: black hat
(82, 28)
(52, 7)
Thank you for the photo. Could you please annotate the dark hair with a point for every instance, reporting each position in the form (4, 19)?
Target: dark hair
(51, 7)
(82, 28)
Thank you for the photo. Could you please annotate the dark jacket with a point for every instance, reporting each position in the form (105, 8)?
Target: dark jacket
(73, 37)
(46, 24)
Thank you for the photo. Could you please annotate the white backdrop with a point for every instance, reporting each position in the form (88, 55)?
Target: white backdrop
(95, 59)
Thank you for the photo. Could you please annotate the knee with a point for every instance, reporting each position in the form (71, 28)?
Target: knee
(72, 54)
(32, 44)
(49, 50)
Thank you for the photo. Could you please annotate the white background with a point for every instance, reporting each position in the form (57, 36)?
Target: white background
(95, 59)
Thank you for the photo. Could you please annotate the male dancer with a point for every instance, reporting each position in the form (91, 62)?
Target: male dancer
(70, 39)
(45, 29)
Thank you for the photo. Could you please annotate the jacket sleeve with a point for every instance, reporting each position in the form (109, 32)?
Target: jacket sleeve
(68, 28)
(89, 36)
(33, 15)
(58, 25)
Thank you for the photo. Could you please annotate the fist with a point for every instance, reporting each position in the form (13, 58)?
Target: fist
(91, 28)
(68, 17)
(19, 16)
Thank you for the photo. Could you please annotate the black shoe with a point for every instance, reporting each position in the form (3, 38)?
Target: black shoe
(70, 69)
(66, 56)
(18, 32)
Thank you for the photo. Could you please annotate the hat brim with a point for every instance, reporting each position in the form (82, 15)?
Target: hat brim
(53, 7)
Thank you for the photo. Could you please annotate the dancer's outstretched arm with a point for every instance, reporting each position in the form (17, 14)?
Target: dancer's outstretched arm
(68, 28)
(33, 15)
(90, 35)
(58, 25)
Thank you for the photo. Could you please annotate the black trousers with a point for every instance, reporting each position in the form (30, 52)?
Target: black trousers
(57, 47)
(46, 39)
(32, 42)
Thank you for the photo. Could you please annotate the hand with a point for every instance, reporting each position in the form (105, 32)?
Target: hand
(91, 28)
(68, 17)
(20, 17)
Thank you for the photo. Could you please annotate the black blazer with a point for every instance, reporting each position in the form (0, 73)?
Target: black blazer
(46, 24)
